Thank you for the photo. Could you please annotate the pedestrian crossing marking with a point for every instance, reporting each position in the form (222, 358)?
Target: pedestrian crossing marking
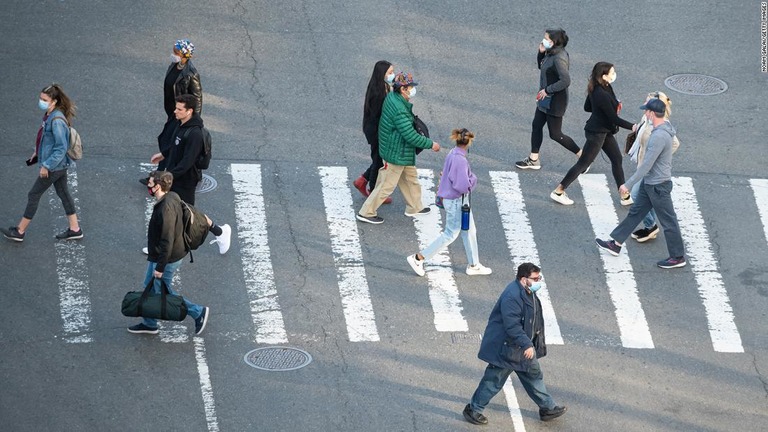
(760, 190)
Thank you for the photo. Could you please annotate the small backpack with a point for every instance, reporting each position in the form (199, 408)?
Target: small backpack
(75, 147)
(204, 161)
(195, 228)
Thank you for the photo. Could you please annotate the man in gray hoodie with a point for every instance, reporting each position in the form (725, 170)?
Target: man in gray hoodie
(655, 173)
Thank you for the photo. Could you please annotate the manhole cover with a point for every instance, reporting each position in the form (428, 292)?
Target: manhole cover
(278, 358)
(207, 184)
(696, 84)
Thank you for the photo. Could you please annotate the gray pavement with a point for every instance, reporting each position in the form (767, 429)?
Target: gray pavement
(283, 88)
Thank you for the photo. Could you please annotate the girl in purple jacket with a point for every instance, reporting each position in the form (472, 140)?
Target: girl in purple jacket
(456, 183)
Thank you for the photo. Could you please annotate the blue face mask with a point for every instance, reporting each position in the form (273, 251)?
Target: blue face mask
(535, 287)
(389, 79)
(43, 105)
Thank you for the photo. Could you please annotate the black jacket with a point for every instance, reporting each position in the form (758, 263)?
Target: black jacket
(555, 79)
(184, 153)
(165, 241)
(602, 103)
(188, 82)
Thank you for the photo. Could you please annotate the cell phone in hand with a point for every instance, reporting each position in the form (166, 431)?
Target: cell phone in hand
(31, 161)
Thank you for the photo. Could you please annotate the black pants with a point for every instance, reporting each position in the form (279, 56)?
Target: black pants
(597, 141)
(59, 181)
(186, 194)
(555, 125)
(372, 173)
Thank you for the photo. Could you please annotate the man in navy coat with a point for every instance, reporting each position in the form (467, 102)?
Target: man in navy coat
(513, 342)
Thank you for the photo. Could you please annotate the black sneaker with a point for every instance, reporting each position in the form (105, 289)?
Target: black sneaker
(550, 414)
(144, 180)
(13, 233)
(672, 262)
(201, 321)
(422, 212)
(143, 329)
(70, 235)
(528, 163)
(644, 234)
(609, 246)
(370, 219)
(474, 417)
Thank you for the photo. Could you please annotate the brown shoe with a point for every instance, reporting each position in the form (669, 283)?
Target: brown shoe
(361, 185)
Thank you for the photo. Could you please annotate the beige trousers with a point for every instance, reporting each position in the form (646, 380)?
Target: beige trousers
(390, 176)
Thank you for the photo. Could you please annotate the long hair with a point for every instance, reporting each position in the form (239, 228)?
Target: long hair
(63, 102)
(462, 136)
(558, 37)
(377, 88)
(664, 98)
(596, 77)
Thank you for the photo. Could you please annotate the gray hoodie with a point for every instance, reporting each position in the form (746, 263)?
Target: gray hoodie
(657, 164)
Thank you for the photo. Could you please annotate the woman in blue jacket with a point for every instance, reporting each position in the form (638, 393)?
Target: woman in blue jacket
(51, 153)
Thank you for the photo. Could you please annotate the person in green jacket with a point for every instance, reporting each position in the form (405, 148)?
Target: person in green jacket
(398, 141)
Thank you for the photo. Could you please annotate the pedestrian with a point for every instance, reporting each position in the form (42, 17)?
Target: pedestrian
(456, 184)
(186, 149)
(552, 98)
(51, 157)
(165, 241)
(650, 229)
(398, 141)
(378, 87)
(514, 342)
(655, 175)
(181, 78)
(599, 131)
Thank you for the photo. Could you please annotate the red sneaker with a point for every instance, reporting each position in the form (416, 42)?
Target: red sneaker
(361, 185)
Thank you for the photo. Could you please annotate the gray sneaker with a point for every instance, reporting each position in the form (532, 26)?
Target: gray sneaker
(528, 163)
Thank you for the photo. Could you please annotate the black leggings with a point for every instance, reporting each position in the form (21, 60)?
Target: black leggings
(372, 173)
(59, 181)
(555, 125)
(595, 142)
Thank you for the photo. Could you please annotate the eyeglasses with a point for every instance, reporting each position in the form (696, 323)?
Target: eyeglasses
(537, 278)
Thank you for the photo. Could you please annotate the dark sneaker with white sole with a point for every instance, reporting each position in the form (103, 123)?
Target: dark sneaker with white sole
(644, 234)
(143, 329)
(422, 212)
(202, 320)
(672, 262)
(370, 219)
(551, 414)
(13, 233)
(70, 235)
(528, 163)
(473, 417)
(609, 246)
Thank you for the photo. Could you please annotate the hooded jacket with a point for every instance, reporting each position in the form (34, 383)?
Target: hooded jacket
(656, 166)
(184, 153)
(398, 139)
(555, 79)
(165, 233)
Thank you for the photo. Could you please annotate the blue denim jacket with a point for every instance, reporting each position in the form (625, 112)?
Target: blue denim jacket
(54, 144)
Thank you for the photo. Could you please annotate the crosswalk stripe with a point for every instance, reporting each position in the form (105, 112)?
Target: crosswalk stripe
(443, 292)
(257, 265)
(72, 274)
(520, 241)
(513, 406)
(348, 255)
(722, 327)
(205, 385)
(760, 189)
(622, 287)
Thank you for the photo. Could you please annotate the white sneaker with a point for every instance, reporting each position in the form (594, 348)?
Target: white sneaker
(562, 198)
(224, 239)
(478, 270)
(416, 265)
(626, 201)
(145, 250)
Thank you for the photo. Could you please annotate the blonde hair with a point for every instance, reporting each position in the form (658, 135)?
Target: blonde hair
(664, 98)
(462, 136)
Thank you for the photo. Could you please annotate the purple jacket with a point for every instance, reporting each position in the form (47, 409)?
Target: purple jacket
(457, 178)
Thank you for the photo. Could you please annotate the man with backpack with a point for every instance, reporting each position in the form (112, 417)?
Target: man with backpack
(167, 246)
(190, 151)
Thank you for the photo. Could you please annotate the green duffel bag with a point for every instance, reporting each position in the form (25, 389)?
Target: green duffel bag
(149, 304)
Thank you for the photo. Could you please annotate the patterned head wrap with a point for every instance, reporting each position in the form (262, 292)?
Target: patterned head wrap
(404, 80)
(185, 47)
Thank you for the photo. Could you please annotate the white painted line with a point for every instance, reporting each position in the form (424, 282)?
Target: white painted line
(760, 189)
(618, 271)
(348, 255)
(722, 327)
(72, 272)
(514, 407)
(520, 242)
(257, 262)
(443, 292)
(205, 385)
(170, 332)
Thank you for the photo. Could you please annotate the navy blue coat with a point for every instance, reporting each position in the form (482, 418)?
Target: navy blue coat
(515, 320)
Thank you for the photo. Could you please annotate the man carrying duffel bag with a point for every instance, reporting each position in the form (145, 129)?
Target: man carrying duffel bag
(165, 243)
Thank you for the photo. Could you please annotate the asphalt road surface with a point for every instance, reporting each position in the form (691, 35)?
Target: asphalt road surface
(631, 347)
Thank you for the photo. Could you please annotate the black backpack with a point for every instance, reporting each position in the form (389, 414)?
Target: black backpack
(195, 228)
(204, 161)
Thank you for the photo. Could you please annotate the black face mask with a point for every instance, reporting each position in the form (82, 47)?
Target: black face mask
(151, 191)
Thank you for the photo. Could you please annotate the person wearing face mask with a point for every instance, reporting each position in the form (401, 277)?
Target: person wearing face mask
(655, 176)
(51, 156)
(513, 342)
(599, 131)
(181, 78)
(398, 141)
(379, 86)
(552, 98)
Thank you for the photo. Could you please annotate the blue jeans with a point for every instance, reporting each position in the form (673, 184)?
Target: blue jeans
(451, 232)
(495, 377)
(650, 219)
(193, 310)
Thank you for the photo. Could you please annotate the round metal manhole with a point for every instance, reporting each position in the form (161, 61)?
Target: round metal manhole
(207, 184)
(696, 84)
(278, 359)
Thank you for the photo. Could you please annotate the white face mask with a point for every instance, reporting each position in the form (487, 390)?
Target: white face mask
(610, 79)
(412, 93)
(175, 58)
(547, 44)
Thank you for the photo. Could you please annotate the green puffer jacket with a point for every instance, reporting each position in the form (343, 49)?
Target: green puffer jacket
(397, 137)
